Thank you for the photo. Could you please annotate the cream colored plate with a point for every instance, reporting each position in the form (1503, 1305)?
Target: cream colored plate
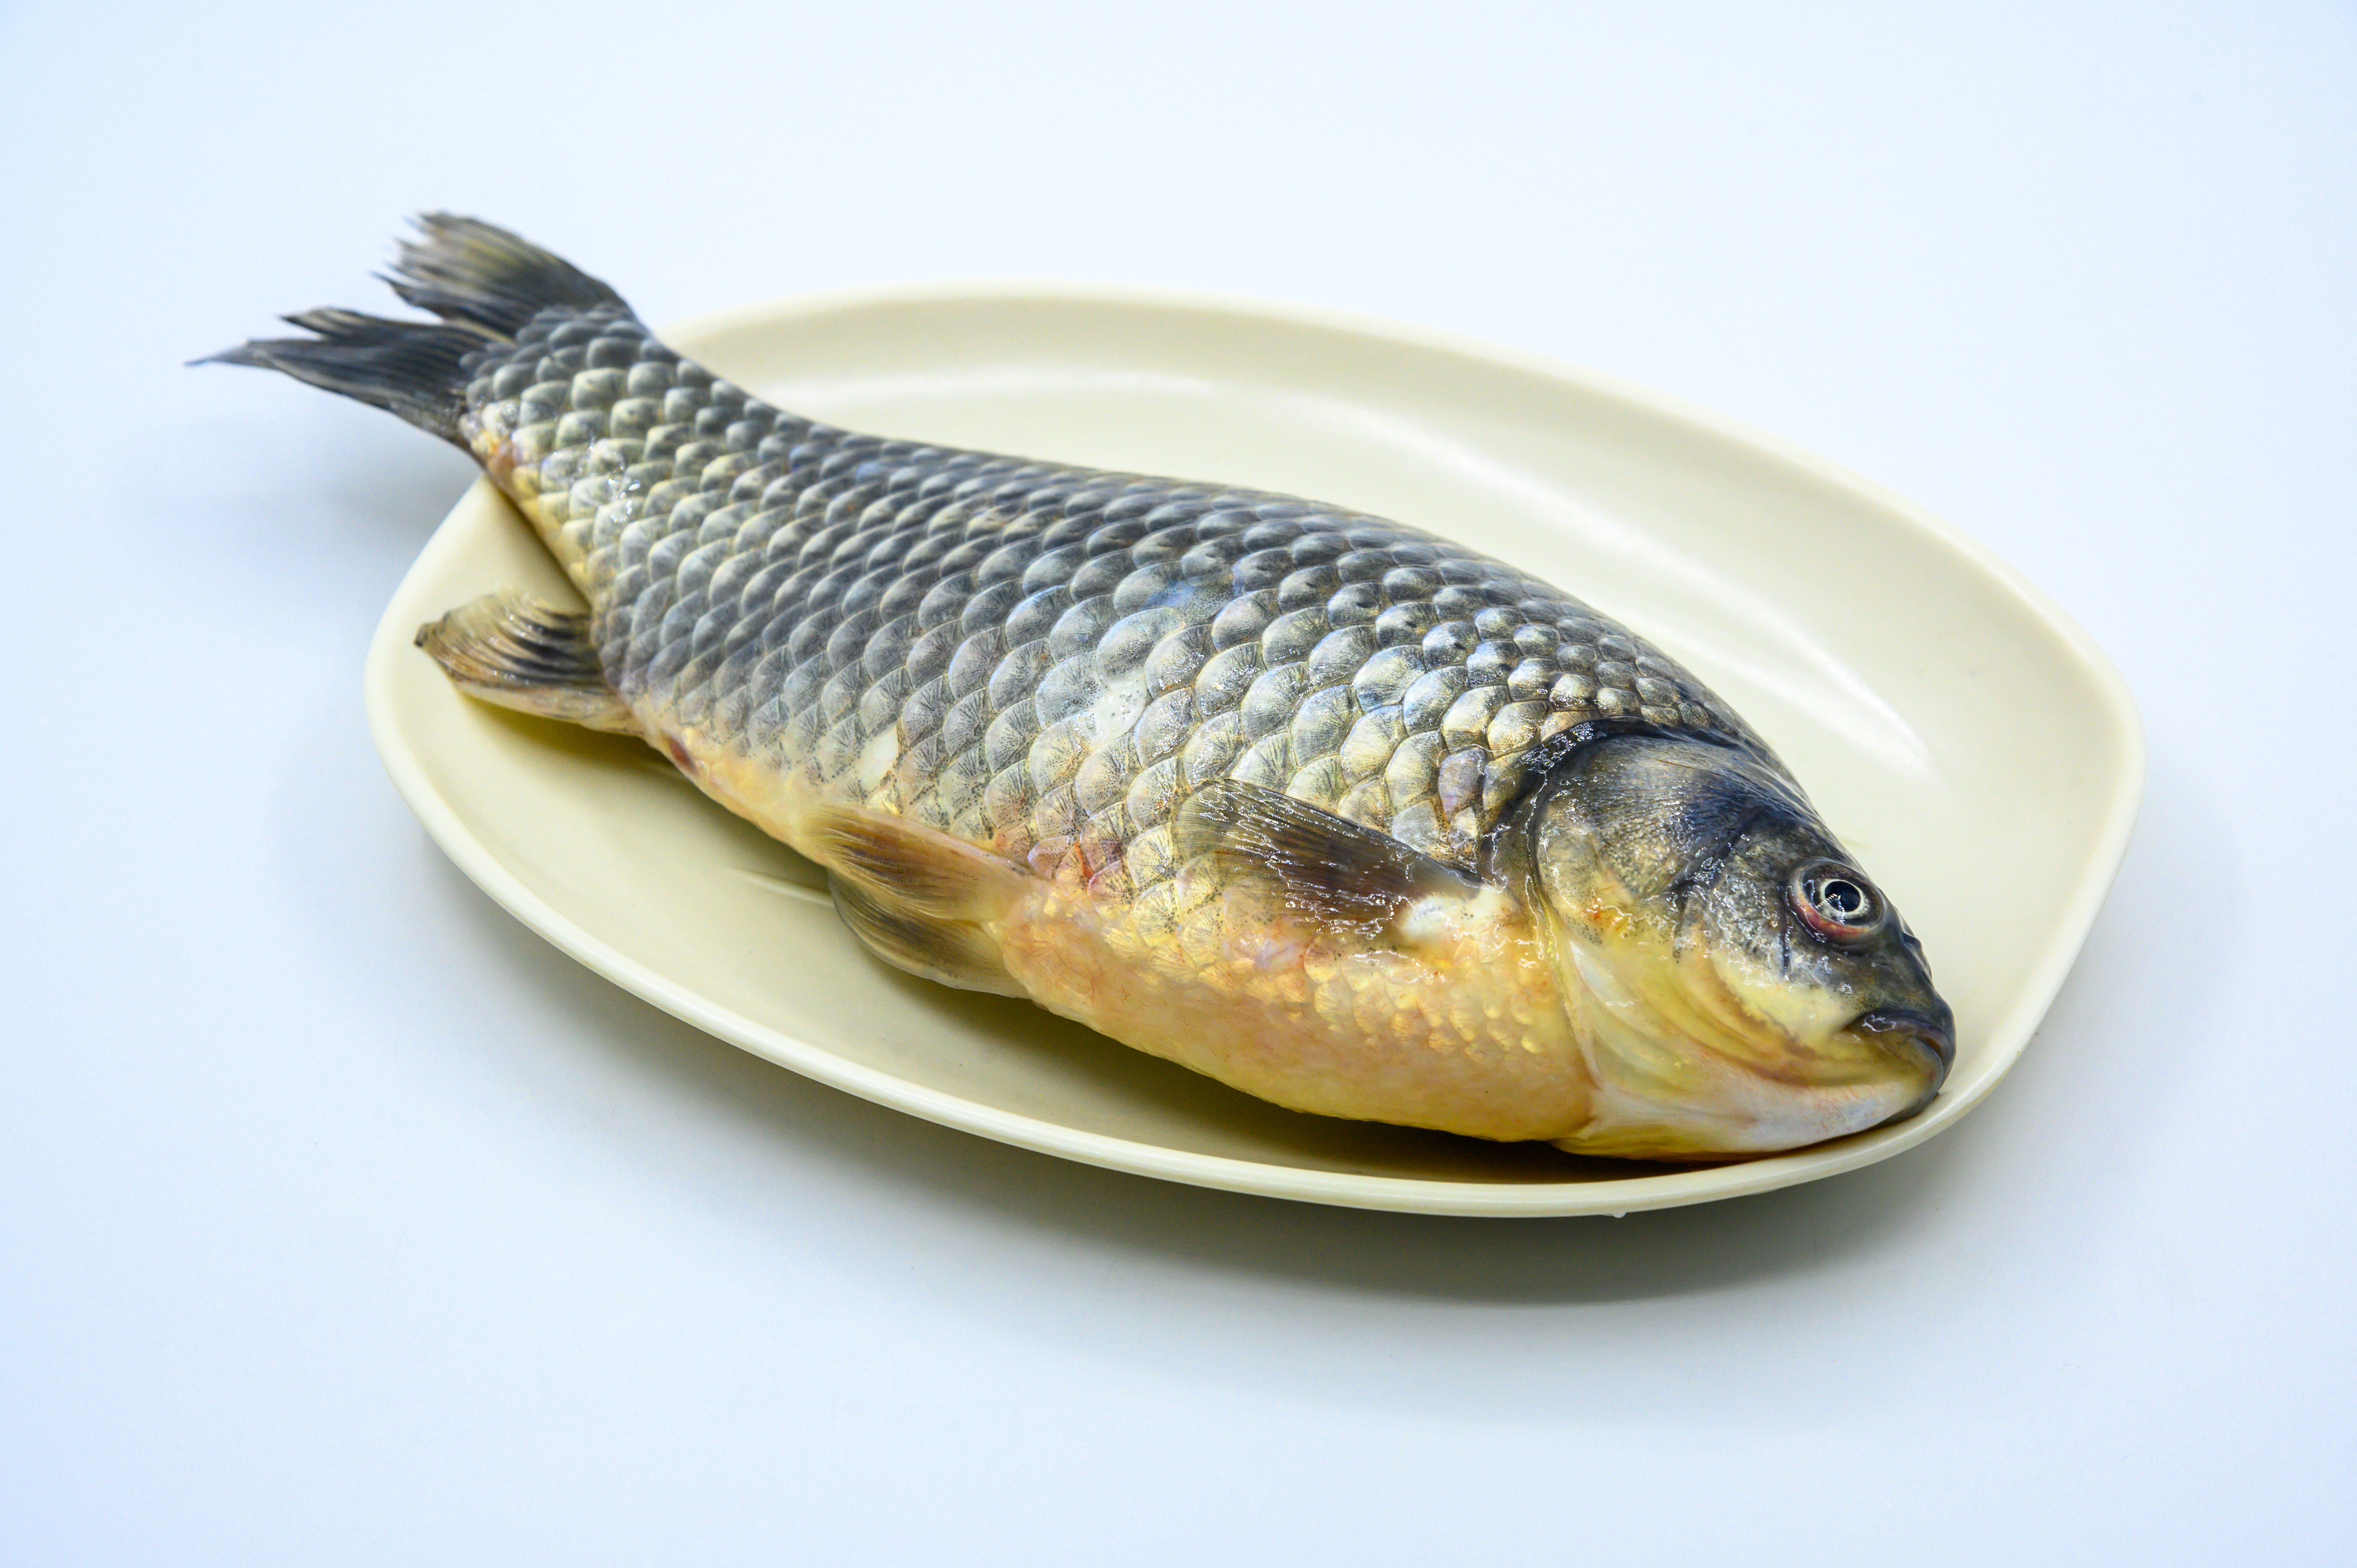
(1965, 740)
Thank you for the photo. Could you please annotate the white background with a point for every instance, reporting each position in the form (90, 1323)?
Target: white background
(343, 1220)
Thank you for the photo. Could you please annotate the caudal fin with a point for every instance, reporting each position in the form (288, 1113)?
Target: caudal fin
(484, 283)
(467, 271)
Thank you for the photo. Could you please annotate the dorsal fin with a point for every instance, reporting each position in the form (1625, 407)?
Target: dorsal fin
(523, 653)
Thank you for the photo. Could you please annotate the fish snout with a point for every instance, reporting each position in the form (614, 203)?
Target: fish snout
(1924, 1041)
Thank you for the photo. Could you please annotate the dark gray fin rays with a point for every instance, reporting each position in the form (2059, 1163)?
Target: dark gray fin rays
(918, 899)
(464, 269)
(412, 369)
(484, 283)
(516, 651)
(1311, 862)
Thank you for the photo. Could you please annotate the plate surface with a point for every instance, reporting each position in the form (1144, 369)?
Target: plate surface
(1955, 728)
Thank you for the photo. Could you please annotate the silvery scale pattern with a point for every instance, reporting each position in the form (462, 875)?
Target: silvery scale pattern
(1043, 660)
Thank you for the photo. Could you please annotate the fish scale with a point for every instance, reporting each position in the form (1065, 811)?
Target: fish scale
(1040, 659)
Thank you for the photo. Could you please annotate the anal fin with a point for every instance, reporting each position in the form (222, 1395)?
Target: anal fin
(918, 899)
(520, 652)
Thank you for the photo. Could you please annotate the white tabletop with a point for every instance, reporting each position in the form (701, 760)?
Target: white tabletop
(341, 1219)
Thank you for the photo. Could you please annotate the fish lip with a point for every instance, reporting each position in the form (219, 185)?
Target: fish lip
(1933, 1034)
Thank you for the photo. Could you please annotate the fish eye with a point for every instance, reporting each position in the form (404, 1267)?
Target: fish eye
(1837, 901)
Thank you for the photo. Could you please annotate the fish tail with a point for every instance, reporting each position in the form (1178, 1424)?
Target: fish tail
(407, 366)
(473, 273)
(485, 284)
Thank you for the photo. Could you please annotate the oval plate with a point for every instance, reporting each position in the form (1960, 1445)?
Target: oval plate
(1957, 731)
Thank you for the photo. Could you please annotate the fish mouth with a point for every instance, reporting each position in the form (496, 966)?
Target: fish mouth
(1928, 1038)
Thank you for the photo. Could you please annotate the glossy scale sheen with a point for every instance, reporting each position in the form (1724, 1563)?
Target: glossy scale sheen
(1041, 660)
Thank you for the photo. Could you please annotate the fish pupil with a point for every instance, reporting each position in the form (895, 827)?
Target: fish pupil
(1842, 900)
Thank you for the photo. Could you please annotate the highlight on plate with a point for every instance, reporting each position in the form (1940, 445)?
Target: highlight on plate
(1324, 806)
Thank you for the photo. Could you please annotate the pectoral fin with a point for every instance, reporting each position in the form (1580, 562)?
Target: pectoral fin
(521, 653)
(1313, 863)
(919, 900)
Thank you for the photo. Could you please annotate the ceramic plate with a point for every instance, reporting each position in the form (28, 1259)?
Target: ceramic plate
(1955, 729)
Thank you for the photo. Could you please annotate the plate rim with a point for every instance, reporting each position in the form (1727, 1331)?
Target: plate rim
(2010, 1036)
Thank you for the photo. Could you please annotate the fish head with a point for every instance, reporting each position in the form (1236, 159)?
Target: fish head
(1736, 982)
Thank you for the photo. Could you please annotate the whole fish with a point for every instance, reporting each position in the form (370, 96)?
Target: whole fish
(1346, 816)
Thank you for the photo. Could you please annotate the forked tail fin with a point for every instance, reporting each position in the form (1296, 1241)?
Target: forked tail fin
(484, 283)
(468, 271)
